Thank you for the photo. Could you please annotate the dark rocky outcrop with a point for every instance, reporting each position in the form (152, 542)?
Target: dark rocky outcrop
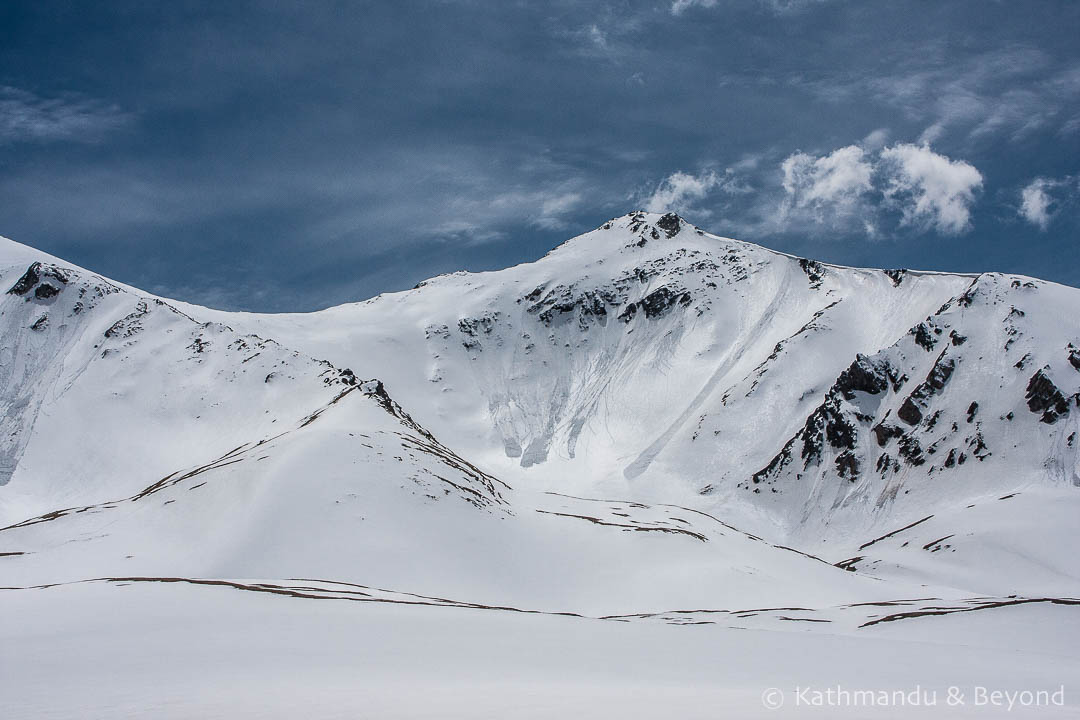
(924, 338)
(45, 280)
(847, 465)
(910, 450)
(865, 375)
(29, 279)
(834, 424)
(657, 303)
(884, 432)
(473, 328)
(670, 224)
(1044, 397)
(45, 290)
(911, 411)
(814, 270)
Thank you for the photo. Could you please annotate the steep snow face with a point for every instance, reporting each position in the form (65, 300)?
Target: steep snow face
(647, 358)
(105, 389)
(978, 399)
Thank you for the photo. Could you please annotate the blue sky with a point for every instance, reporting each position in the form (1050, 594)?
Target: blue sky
(274, 157)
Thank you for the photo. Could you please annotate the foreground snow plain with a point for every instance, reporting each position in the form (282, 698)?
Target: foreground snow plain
(656, 471)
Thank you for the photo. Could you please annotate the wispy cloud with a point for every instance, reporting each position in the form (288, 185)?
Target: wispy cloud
(682, 192)
(1011, 92)
(1043, 199)
(779, 7)
(25, 116)
(678, 7)
(679, 189)
(1035, 203)
(608, 33)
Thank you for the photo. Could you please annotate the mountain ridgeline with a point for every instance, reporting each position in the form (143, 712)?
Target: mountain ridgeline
(816, 408)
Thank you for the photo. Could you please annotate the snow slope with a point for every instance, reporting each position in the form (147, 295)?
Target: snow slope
(649, 427)
(653, 360)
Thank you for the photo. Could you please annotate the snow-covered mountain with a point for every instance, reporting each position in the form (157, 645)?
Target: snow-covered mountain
(649, 425)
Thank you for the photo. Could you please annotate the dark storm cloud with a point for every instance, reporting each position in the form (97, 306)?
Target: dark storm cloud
(275, 156)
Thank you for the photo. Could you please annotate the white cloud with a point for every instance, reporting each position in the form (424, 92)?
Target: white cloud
(25, 116)
(474, 220)
(830, 187)
(930, 189)
(1035, 203)
(1043, 199)
(678, 6)
(847, 190)
(553, 207)
(876, 139)
(678, 190)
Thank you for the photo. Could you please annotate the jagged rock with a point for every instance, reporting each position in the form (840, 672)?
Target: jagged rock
(45, 291)
(884, 432)
(847, 465)
(814, 270)
(670, 224)
(28, 280)
(129, 324)
(473, 328)
(826, 423)
(897, 275)
(590, 303)
(932, 420)
(864, 375)
(36, 276)
(968, 297)
(924, 337)
(1074, 356)
(910, 450)
(1043, 396)
(978, 447)
(911, 410)
(657, 303)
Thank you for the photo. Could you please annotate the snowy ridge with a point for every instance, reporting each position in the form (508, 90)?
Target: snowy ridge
(649, 425)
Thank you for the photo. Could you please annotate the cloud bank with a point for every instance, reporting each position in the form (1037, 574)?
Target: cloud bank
(856, 188)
